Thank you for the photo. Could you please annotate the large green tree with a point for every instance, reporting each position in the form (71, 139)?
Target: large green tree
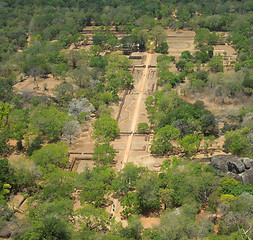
(105, 128)
(57, 185)
(216, 64)
(127, 178)
(190, 144)
(48, 121)
(51, 156)
(93, 218)
(6, 89)
(95, 184)
(104, 154)
(50, 227)
(162, 140)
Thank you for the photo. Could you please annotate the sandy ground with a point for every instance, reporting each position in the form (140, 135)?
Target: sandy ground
(134, 147)
(225, 48)
(83, 148)
(136, 111)
(180, 41)
(150, 222)
(37, 87)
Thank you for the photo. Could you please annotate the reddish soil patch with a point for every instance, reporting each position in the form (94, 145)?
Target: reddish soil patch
(211, 216)
(150, 222)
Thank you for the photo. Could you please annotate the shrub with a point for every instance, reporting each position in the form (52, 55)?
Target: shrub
(143, 128)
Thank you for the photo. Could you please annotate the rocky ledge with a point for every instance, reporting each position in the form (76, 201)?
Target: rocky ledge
(241, 169)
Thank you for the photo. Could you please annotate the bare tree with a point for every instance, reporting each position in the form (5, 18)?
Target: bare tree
(35, 72)
(78, 106)
(71, 130)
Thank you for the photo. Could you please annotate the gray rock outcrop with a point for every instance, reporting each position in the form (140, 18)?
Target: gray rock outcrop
(248, 163)
(241, 169)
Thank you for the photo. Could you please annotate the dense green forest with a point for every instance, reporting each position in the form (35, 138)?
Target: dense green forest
(42, 39)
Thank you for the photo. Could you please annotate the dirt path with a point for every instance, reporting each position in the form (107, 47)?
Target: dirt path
(140, 90)
(136, 111)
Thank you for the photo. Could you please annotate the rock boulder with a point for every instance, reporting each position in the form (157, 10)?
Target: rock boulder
(241, 169)
(236, 166)
(248, 163)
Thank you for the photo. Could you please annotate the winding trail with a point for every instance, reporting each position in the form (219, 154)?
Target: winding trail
(136, 111)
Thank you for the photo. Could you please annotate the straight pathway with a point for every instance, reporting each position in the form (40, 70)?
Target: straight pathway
(136, 112)
(116, 208)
